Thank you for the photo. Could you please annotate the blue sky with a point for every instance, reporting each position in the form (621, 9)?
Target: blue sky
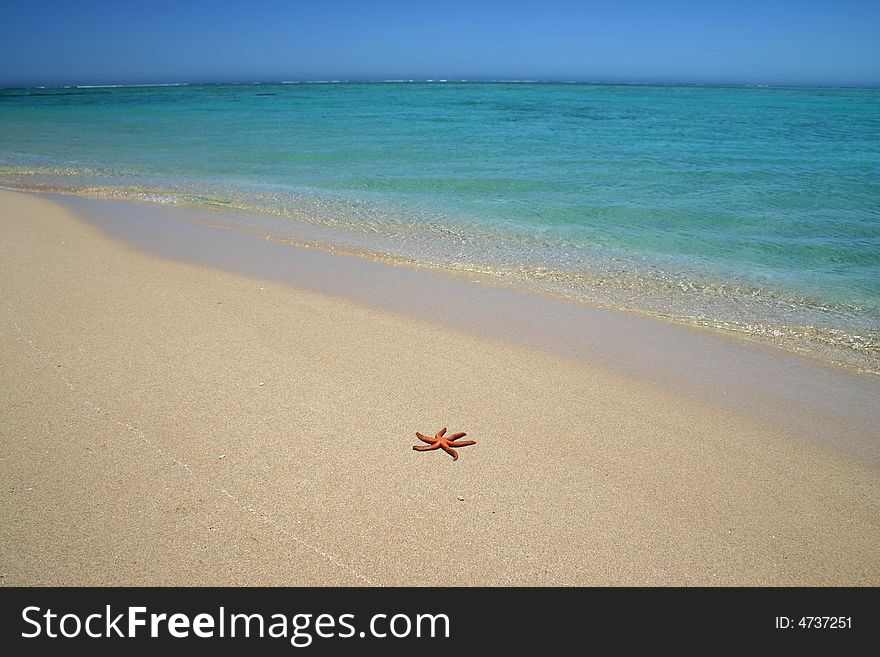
(810, 42)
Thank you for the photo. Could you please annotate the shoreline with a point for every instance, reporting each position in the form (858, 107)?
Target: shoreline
(171, 421)
(849, 345)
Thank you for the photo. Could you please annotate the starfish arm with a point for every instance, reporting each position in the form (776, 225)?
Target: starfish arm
(450, 451)
(424, 439)
(441, 432)
(462, 443)
(426, 448)
(456, 436)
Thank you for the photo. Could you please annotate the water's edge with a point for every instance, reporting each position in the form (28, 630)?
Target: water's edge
(858, 350)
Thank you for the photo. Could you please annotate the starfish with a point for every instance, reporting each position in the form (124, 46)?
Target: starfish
(446, 444)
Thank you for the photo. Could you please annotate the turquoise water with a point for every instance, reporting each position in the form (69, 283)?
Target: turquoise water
(753, 210)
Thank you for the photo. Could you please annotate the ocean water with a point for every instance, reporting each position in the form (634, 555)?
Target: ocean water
(749, 210)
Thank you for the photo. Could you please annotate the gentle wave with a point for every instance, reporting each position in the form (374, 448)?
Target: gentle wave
(606, 281)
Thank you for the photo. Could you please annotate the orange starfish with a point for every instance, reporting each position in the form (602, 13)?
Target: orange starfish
(446, 444)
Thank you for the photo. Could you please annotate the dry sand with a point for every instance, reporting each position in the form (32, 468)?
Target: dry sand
(168, 423)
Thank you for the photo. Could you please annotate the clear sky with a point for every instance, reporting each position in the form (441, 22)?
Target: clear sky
(810, 42)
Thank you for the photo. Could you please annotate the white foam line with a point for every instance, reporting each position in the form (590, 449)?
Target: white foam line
(242, 506)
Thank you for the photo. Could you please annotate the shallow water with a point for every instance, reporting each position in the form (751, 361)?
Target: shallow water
(752, 210)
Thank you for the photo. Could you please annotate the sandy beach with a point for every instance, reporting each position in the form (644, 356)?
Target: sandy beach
(170, 423)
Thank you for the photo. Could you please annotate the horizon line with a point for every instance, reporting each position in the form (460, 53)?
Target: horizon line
(451, 81)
